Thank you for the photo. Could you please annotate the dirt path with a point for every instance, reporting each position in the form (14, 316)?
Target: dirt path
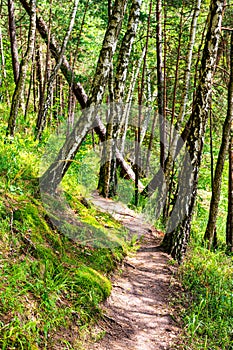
(137, 314)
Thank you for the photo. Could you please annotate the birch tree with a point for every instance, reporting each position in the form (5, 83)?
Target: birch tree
(189, 57)
(107, 178)
(176, 240)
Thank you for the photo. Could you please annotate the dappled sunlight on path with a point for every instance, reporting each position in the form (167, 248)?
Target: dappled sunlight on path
(137, 315)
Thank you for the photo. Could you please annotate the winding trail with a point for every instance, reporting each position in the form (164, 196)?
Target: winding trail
(137, 315)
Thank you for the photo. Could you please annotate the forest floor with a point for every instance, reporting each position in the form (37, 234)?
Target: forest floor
(140, 314)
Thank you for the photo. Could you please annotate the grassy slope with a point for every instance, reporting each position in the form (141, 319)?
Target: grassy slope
(50, 286)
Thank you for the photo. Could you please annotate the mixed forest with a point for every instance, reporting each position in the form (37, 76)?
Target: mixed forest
(133, 99)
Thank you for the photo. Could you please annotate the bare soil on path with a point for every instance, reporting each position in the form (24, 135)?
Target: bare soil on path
(138, 314)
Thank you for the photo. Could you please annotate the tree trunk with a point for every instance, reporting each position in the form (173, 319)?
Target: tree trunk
(189, 57)
(150, 145)
(30, 87)
(13, 40)
(160, 82)
(39, 76)
(229, 226)
(43, 78)
(53, 176)
(169, 165)
(3, 69)
(177, 142)
(72, 99)
(176, 239)
(124, 122)
(216, 190)
(19, 89)
(138, 135)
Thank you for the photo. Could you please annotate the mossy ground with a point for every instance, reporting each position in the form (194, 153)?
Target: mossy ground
(50, 285)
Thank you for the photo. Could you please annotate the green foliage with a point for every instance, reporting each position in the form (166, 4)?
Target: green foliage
(19, 163)
(208, 280)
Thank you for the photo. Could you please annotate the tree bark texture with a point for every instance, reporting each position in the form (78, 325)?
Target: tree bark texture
(3, 69)
(108, 177)
(189, 57)
(178, 142)
(216, 190)
(176, 239)
(13, 40)
(160, 81)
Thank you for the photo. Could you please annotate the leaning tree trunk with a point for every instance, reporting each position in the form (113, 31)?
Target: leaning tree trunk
(216, 190)
(78, 89)
(53, 176)
(176, 239)
(19, 89)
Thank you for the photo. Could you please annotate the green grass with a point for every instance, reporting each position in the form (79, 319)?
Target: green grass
(50, 285)
(208, 280)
